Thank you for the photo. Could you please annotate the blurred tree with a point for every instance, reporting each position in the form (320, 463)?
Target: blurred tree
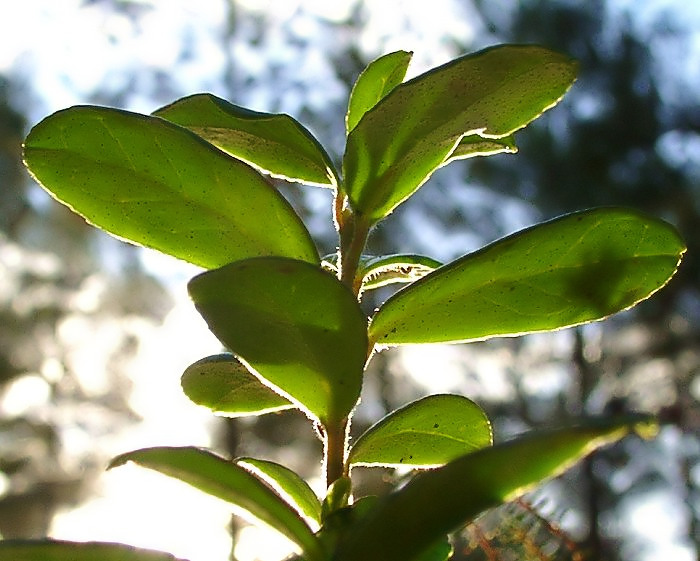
(629, 137)
(59, 398)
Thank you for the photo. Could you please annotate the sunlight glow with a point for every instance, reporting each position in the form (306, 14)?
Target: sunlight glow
(24, 394)
(259, 544)
(145, 509)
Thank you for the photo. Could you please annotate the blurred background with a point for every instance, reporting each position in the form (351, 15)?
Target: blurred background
(94, 334)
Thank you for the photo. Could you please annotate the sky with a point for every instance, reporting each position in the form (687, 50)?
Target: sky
(66, 52)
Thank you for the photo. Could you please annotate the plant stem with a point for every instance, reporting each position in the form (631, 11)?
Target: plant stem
(353, 237)
(339, 201)
(353, 232)
(335, 449)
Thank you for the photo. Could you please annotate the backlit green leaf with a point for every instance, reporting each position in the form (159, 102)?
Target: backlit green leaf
(59, 550)
(288, 484)
(574, 269)
(158, 185)
(375, 82)
(413, 131)
(294, 325)
(475, 145)
(338, 522)
(426, 433)
(337, 497)
(225, 386)
(232, 483)
(439, 501)
(389, 269)
(274, 143)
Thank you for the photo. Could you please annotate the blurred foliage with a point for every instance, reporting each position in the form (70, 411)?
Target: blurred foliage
(629, 137)
(55, 391)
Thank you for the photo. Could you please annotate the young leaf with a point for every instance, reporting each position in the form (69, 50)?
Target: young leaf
(274, 143)
(294, 325)
(287, 484)
(337, 497)
(228, 388)
(232, 483)
(389, 269)
(156, 184)
(437, 502)
(475, 145)
(337, 522)
(577, 268)
(411, 132)
(426, 433)
(59, 550)
(374, 83)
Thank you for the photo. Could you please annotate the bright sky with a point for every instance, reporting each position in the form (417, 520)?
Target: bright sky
(65, 53)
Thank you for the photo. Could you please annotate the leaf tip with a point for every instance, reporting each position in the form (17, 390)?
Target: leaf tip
(117, 461)
(647, 428)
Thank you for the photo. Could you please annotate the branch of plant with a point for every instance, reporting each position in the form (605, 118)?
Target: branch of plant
(335, 451)
(353, 238)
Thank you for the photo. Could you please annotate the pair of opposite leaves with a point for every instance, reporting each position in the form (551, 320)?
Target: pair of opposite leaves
(302, 331)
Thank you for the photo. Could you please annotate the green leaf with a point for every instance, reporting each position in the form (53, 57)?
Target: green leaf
(426, 433)
(439, 501)
(232, 483)
(294, 325)
(58, 550)
(388, 269)
(338, 522)
(475, 145)
(575, 269)
(337, 497)
(287, 484)
(225, 386)
(413, 131)
(158, 185)
(274, 143)
(374, 83)
(378, 271)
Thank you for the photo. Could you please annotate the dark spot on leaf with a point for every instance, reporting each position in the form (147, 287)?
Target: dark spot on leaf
(436, 425)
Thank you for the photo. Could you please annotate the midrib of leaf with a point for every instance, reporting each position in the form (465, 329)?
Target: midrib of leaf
(101, 120)
(431, 435)
(557, 266)
(521, 279)
(166, 192)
